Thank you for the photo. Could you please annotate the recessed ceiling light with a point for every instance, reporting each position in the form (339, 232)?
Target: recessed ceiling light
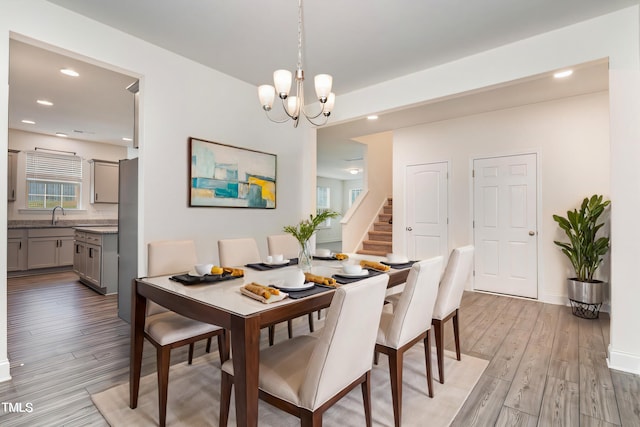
(563, 74)
(69, 72)
(61, 135)
(124, 138)
(44, 102)
(372, 117)
(29, 122)
(353, 171)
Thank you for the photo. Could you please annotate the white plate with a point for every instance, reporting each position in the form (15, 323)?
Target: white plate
(195, 273)
(363, 273)
(302, 287)
(284, 261)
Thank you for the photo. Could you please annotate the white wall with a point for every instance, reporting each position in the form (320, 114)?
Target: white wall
(28, 141)
(615, 36)
(178, 99)
(571, 137)
(333, 233)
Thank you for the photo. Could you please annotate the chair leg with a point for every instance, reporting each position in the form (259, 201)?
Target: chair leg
(395, 372)
(366, 397)
(290, 328)
(376, 356)
(226, 383)
(311, 326)
(438, 329)
(272, 333)
(310, 419)
(427, 357)
(191, 347)
(208, 349)
(456, 333)
(163, 359)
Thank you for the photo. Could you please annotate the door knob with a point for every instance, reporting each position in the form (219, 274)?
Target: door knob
(409, 229)
(532, 233)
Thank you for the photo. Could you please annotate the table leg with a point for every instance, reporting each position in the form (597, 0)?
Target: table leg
(139, 308)
(245, 343)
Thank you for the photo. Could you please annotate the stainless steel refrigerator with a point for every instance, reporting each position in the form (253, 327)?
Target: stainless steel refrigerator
(127, 234)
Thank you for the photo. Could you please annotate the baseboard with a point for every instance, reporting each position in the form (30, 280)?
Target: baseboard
(5, 371)
(622, 361)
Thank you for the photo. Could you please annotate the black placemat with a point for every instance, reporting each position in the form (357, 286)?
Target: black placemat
(399, 266)
(345, 280)
(307, 292)
(187, 279)
(261, 266)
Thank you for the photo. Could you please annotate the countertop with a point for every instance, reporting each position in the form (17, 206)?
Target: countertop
(62, 223)
(98, 229)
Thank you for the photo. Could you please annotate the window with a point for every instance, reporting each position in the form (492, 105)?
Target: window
(353, 195)
(323, 203)
(52, 180)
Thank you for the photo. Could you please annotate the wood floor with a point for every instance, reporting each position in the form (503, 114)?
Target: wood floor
(546, 368)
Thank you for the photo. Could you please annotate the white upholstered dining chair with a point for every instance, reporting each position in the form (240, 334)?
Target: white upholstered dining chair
(409, 323)
(447, 305)
(167, 330)
(238, 252)
(306, 375)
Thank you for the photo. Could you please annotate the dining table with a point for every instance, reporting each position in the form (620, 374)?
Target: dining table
(223, 304)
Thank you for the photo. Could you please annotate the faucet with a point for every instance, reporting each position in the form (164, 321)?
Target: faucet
(53, 214)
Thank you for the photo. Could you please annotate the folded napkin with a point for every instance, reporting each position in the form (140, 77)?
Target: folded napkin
(375, 265)
(262, 293)
(327, 281)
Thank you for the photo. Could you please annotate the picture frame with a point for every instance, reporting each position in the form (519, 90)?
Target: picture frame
(222, 175)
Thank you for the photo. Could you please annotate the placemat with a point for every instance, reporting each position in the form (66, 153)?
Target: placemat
(399, 266)
(344, 280)
(261, 266)
(308, 292)
(187, 279)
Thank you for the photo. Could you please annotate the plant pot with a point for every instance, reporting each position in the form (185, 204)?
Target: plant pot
(585, 297)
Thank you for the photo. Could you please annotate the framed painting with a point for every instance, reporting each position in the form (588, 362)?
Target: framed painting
(231, 177)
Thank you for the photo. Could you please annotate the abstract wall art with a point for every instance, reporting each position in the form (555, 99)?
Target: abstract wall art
(232, 177)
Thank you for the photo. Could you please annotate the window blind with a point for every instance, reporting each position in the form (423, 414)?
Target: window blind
(53, 167)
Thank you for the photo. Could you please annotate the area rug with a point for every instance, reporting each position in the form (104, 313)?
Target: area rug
(194, 396)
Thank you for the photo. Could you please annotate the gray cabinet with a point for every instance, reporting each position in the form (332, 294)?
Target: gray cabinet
(95, 260)
(16, 250)
(49, 247)
(12, 175)
(104, 181)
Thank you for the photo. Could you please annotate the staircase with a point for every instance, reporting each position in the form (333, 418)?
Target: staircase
(380, 238)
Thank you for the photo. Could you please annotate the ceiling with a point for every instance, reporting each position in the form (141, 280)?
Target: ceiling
(359, 42)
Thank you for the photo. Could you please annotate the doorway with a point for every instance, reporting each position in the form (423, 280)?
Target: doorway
(505, 200)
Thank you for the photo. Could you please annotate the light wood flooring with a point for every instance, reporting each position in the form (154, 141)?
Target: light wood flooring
(546, 368)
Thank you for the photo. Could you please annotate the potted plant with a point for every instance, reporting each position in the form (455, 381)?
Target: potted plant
(303, 232)
(585, 251)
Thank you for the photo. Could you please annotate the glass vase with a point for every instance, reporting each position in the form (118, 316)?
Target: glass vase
(304, 256)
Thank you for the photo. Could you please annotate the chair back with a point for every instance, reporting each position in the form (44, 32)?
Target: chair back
(169, 257)
(284, 244)
(345, 345)
(452, 284)
(238, 252)
(412, 314)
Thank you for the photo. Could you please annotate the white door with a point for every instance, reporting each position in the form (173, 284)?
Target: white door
(426, 210)
(505, 226)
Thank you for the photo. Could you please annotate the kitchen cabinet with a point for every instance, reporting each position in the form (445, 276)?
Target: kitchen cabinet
(16, 250)
(12, 175)
(49, 247)
(104, 181)
(95, 258)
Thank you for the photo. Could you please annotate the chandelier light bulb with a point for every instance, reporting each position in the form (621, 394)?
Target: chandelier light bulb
(293, 107)
(282, 82)
(267, 95)
(323, 84)
(328, 106)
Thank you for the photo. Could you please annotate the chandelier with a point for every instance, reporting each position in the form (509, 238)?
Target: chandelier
(294, 105)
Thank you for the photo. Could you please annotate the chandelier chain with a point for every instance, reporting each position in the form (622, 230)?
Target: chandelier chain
(299, 34)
